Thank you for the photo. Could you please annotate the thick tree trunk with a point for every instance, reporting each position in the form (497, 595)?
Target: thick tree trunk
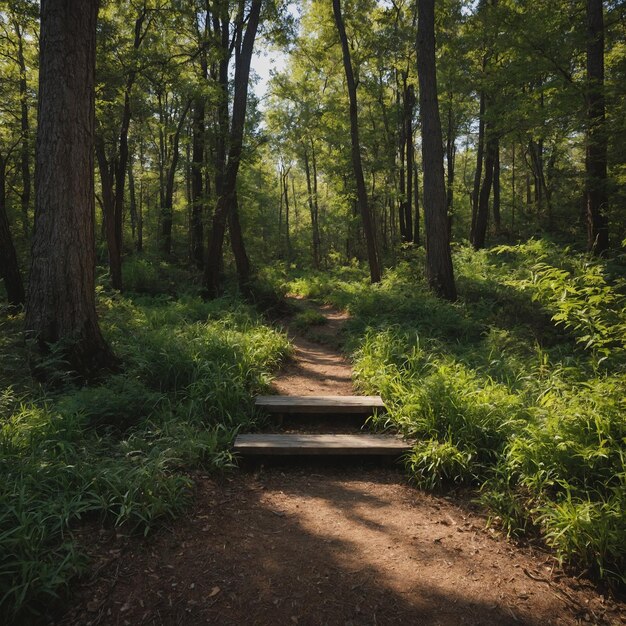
(439, 270)
(61, 296)
(227, 195)
(9, 267)
(596, 152)
(368, 226)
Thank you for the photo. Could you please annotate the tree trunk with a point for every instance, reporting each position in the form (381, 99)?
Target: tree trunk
(409, 103)
(364, 209)
(108, 214)
(227, 195)
(242, 261)
(439, 270)
(25, 128)
(315, 233)
(450, 154)
(9, 267)
(197, 197)
(596, 151)
(497, 221)
(285, 191)
(416, 193)
(482, 216)
(479, 159)
(133, 201)
(61, 303)
(168, 204)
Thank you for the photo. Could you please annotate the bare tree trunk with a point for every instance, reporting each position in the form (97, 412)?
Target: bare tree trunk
(409, 103)
(25, 128)
(133, 201)
(168, 204)
(438, 257)
(61, 296)
(596, 152)
(450, 155)
(479, 159)
(197, 197)
(416, 193)
(9, 267)
(237, 244)
(497, 221)
(364, 209)
(482, 217)
(313, 210)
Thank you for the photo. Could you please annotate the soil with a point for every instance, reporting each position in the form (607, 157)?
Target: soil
(334, 543)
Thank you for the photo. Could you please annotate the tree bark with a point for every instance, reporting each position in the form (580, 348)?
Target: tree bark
(242, 261)
(9, 267)
(479, 159)
(439, 270)
(197, 197)
(596, 151)
(368, 226)
(61, 303)
(315, 233)
(409, 103)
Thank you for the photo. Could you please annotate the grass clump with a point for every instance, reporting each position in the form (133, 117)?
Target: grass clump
(119, 453)
(307, 318)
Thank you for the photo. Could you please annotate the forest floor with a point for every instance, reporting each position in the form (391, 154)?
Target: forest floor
(349, 544)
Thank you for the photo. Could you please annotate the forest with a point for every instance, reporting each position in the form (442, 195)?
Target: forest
(450, 173)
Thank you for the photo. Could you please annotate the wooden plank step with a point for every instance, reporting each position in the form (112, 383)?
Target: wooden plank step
(320, 404)
(325, 444)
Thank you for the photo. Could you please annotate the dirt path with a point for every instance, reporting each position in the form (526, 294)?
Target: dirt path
(342, 544)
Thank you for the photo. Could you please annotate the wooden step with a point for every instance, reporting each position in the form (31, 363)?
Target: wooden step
(325, 444)
(320, 404)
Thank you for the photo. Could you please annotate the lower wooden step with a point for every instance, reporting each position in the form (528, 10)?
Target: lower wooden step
(324, 444)
(320, 404)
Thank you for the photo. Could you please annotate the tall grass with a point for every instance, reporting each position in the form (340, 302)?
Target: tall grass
(119, 453)
(518, 388)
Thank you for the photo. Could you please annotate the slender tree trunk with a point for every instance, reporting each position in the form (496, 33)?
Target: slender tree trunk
(133, 201)
(285, 191)
(108, 214)
(9, 267)
(168, 204)
(242, 261)
(227, 197)
(513, 188)
(482, 217)
(364, 209)
(596, 152)
(438, 257)
(409, 103)
(450, 155)
(497, 221)
(25, 128)
(61, 295)
(479, 159)
(416, 193)
(313, 210)
(197, 197)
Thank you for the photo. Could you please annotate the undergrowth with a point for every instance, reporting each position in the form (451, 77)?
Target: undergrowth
(120, 452)
(518, 388)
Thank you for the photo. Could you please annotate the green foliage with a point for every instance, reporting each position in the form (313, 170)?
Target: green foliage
(519, 387)
(118, 453)
(307, 318)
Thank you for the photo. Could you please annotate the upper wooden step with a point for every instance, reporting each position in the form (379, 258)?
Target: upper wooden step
(320, 404)
(326, 444)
